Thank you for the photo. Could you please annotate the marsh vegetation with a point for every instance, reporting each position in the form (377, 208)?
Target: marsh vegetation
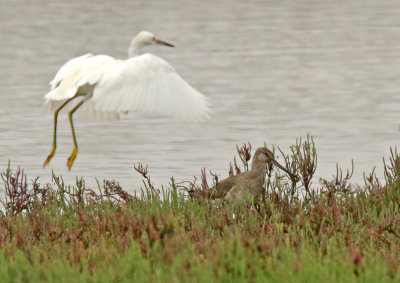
(300, 230)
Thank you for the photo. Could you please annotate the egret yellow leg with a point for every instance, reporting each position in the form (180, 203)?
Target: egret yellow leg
(74, 152)
(53, 148)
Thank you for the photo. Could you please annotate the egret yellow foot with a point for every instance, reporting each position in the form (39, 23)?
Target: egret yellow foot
(53, 150)
(71, 158)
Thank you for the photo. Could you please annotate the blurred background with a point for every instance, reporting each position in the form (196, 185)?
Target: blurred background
(273, 70)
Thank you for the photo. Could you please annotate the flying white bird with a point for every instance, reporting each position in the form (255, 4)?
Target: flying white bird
(105, 87)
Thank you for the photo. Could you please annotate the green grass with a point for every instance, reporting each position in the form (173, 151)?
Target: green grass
(337, 233)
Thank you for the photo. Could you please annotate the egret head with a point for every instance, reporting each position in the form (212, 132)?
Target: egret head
(144, 38)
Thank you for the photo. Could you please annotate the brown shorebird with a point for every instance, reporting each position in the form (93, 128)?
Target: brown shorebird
(250, 183)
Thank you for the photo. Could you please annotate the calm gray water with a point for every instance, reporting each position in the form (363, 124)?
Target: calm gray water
(274, 71)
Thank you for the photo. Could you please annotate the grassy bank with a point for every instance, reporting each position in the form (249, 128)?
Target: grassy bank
(298, 232)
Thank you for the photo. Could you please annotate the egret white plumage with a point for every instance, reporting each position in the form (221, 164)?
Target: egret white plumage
(108, 87)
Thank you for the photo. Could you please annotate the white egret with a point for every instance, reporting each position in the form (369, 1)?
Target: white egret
(108, 87)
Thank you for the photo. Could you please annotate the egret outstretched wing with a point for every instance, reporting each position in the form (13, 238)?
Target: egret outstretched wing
(66, 69)
(147, 83)
(76, 73)
(78, 77)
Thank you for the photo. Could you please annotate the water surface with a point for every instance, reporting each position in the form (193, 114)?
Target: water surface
(274, 71)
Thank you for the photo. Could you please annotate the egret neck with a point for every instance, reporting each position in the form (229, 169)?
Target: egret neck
(136, 44)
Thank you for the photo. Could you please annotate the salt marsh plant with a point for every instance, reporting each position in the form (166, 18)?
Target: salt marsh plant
(335, 231)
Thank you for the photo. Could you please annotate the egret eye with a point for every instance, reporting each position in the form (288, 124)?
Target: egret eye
(154, 38)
